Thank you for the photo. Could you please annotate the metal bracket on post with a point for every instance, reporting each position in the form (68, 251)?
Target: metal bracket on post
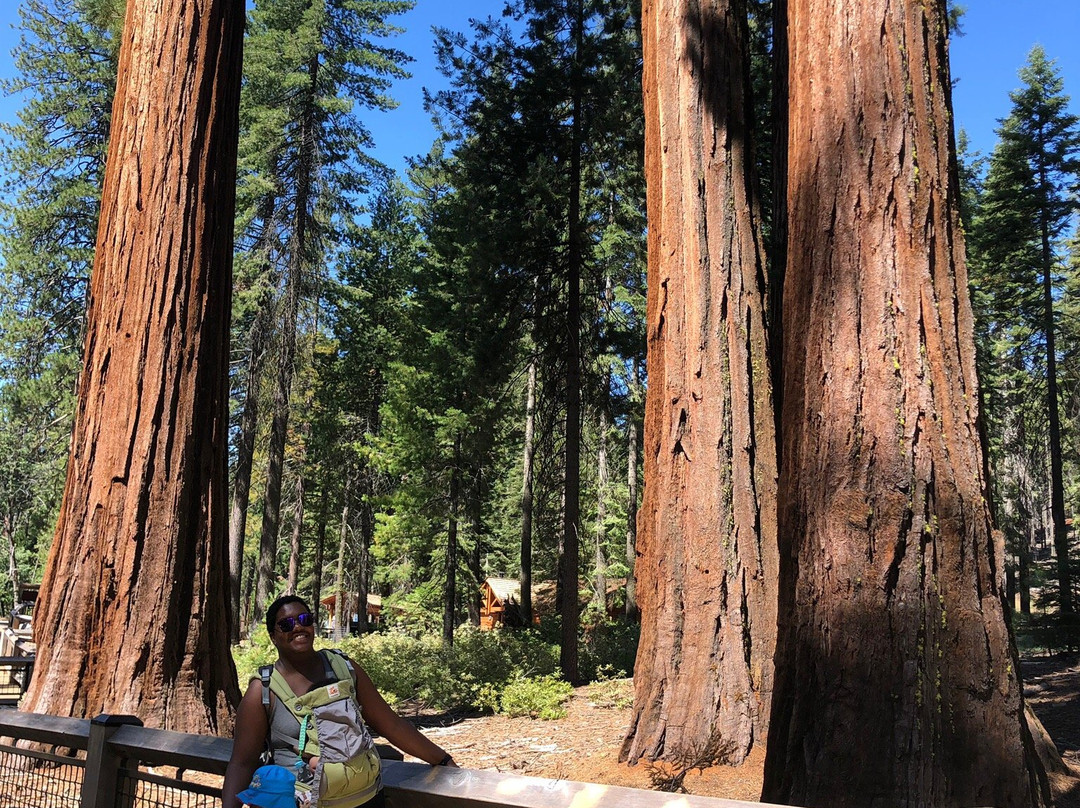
(102, 764)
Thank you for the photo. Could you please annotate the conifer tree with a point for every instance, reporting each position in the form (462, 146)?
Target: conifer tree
(313, 66)
(1027, 203)
(54, 156)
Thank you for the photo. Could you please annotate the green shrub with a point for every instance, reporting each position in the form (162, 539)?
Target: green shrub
(249, 656)
(402, 667)
(471, 675)
(535, 696)
(609, 645)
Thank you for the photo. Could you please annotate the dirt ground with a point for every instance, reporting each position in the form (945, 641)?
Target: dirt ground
(584, 746)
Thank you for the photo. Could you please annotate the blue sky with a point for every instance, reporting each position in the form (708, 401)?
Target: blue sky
(998, 34)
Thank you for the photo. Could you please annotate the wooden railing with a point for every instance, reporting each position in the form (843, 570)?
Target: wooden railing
(111, 754)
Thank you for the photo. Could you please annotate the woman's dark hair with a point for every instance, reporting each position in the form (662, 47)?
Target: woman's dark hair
(275, 607)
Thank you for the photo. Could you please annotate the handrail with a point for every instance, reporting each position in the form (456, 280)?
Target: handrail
(421, 786)
(110, 740)
(50, 729)
(162, 747)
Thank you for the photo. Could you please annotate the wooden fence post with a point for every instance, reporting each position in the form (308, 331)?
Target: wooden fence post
(102, 763)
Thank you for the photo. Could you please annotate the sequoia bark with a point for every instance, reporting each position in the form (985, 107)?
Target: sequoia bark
(706, 546)
(895, 683)
(133, 615)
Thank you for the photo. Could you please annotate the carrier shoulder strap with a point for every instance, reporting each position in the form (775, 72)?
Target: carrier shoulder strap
(265, 674)
(343, 666)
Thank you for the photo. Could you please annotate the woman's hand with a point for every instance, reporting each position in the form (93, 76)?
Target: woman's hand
(249, 740)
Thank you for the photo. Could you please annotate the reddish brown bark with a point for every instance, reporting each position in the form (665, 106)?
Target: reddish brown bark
(707, 565)
(133, 614)
(895, 684)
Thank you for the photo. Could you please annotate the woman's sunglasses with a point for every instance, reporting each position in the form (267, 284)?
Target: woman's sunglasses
(287, 624)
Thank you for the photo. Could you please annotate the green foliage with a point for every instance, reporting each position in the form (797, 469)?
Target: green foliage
(463, 676)
(535, 696)
(253, 654)
(609, 646)
(54, 160)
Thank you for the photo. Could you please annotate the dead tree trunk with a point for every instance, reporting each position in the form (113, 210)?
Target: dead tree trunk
(706, 549)
(895, 684)
(133, 615)
(320, 554)
(258, 341)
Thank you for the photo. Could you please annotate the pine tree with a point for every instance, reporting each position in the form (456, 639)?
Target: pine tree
(548, 120)
(54, 157)
(311, 67)
(1028, 200)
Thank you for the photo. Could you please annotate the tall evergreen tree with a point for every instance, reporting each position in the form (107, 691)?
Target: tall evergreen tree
(139, 560)
(892, 577)
(54, 157)
(313, 66)
(1019, 262)
(559, 113)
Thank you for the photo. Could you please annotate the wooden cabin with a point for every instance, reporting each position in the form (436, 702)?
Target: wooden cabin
(500, 595)
(496, 596)
(374, 609)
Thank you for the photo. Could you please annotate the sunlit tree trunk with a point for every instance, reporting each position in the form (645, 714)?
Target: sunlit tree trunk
(569, 557)
(529, 452)
(600, 533)
(632, 501)
(450, 580)
(258, 341)
(133, 615)
(895, 684)
(279, 426)
(706, 547)
(320, 557)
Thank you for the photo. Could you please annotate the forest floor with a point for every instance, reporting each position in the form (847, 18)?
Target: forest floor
(584, 746)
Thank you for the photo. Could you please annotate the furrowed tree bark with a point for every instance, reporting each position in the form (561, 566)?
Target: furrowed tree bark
(895, 682)
(133, 615)
(706, 548)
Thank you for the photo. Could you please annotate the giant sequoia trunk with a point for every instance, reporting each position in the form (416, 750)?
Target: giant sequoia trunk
(895, 684)
(707, 561)
(133, 615)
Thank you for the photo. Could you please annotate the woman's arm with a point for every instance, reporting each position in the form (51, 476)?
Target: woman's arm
(382, 718)
(249, 741)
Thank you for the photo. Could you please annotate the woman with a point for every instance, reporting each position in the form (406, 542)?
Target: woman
(292, 631)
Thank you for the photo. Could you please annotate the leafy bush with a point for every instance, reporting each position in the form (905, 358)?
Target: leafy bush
(402, 667)
(474, 674)
(609, 645)
(535, 696)
(251, 655)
